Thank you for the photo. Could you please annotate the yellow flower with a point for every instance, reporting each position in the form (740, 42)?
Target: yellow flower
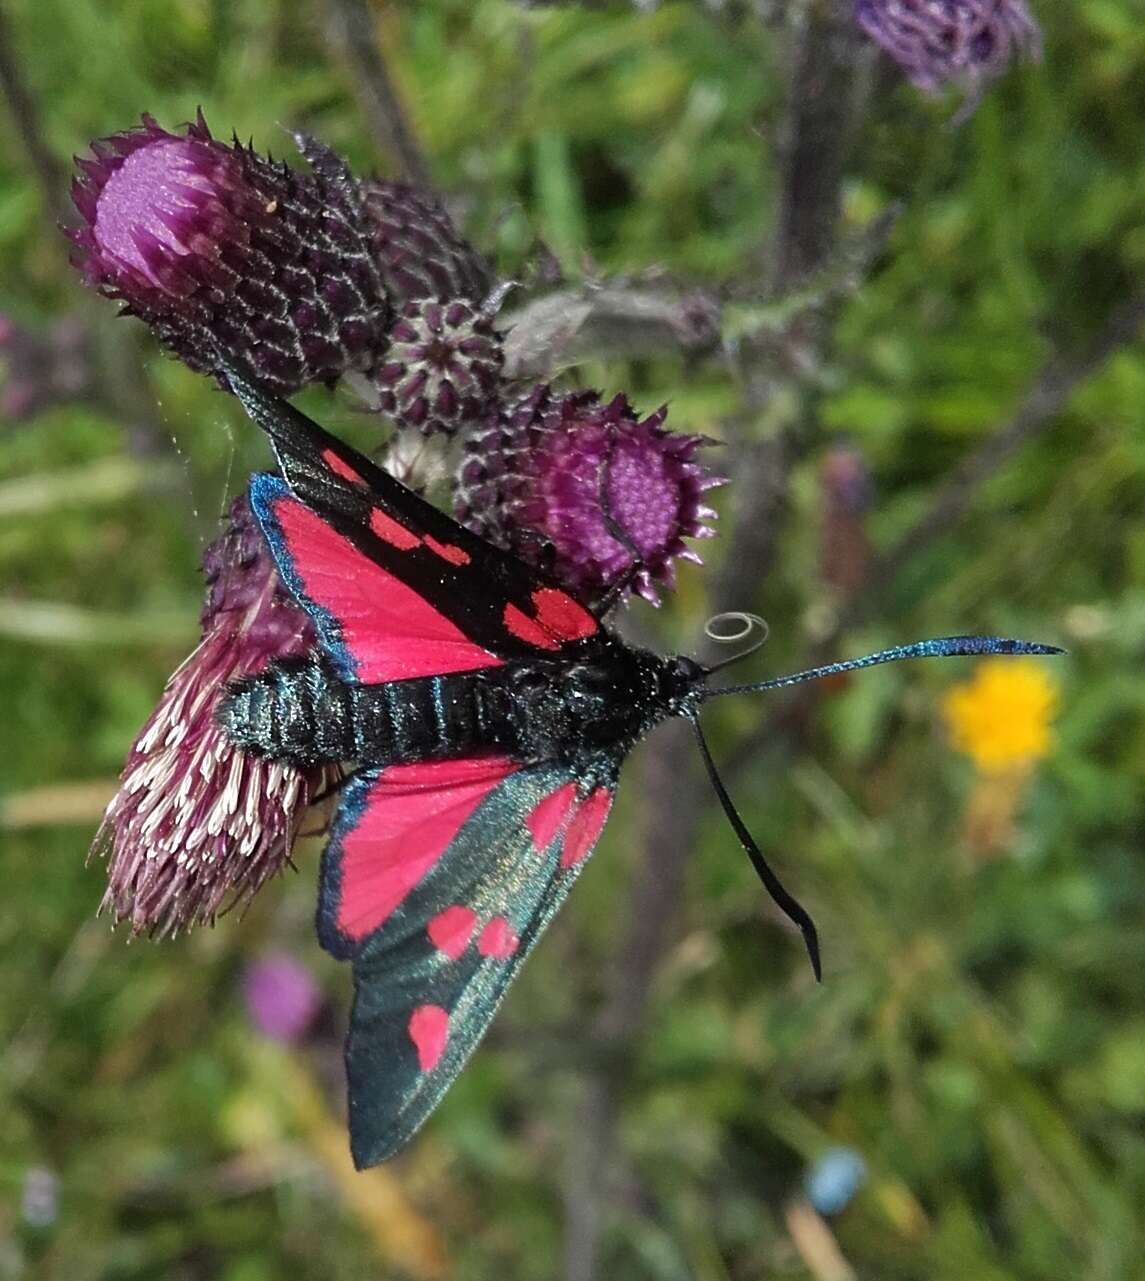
(1001, 717)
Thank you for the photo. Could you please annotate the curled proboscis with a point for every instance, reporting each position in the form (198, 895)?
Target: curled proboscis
(736, 627)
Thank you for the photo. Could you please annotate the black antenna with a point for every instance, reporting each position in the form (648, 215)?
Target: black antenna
(771, 882)
(941, 647)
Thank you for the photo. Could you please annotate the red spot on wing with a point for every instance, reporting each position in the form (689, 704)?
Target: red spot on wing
(559, 619)
(409, 817)
(585, 826)
(447, 551)
(547, 818)
(497, 939)
(450, 931)
(390, 531)
(343, 468)
(391, 631)
(567, 619)
(527, 629)
(429, 1030)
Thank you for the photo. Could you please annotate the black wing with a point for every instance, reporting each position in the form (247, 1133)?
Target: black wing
(363, 554)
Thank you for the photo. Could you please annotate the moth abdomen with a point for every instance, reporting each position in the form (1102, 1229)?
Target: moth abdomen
(296, 711)
(303, 712)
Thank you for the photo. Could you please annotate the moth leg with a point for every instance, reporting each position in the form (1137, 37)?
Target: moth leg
(334, 789)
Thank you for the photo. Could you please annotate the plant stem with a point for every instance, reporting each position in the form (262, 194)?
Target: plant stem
(351, 32)
(50, 173)
(820, 115)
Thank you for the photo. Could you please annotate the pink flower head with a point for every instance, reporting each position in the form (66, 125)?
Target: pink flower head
(196, 821)
(215, 246)
(532, 483)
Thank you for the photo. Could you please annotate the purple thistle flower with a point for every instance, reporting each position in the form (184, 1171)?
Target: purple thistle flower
(215, 245)
(282, 999)
(443, 370)
(195, 820)
(531, 483)
(937, 41)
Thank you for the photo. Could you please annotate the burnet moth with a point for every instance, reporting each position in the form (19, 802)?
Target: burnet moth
(487, 713)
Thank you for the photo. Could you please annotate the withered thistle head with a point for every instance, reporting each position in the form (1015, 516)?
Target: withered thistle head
(214, 245)
(938, 41)
(196, 822)
(533, 482)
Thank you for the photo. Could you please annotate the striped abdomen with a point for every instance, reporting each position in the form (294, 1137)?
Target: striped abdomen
(303, 712)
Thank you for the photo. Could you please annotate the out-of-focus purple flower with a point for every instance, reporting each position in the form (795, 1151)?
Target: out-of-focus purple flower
(834, 1179)
(937, 41)
(216, 245)
(845, 546)
(418, 250)
(42, 368)
(532, 482)
(196, 821)
(282, 998)
(443, 369)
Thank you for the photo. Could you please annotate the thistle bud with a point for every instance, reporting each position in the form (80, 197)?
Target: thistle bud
(417, 248)
(443, 368)
(537, 482)
(214, 246)
(196, 821)
(938, 41)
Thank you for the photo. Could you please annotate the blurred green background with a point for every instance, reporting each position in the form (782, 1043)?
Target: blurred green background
(980, 1035)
